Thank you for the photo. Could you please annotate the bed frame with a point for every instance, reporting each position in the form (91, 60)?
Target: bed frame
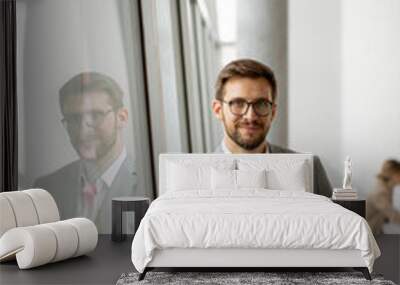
(248, 259)
(243, 259)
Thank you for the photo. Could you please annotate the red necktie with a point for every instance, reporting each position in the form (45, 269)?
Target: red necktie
(89, 194)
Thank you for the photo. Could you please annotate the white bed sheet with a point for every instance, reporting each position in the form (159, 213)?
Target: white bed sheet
(251, 218)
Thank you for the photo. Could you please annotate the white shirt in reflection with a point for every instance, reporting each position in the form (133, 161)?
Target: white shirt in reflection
(103, 185)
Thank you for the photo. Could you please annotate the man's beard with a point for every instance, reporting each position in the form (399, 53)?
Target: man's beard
(100, 150)
(249, 144)
(92, 169)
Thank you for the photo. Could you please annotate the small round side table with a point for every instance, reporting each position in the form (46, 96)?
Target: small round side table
(139, 205)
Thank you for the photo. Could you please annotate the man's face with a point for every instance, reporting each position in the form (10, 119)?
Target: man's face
(249, 130)
(92, 124)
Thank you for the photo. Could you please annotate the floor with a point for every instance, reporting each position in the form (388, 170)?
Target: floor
(103, 266)
(111, 259)
(389, 262)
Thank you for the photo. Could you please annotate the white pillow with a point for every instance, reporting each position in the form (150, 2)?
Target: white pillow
(223, 179)
(282, 174)
(182, 177)
(237, 179)
(190, 174)
(288, 179)
(251, 178)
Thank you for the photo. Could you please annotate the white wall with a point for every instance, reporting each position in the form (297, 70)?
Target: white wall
(262, 35)
(370, 85)
(344, 87)
(314, 66)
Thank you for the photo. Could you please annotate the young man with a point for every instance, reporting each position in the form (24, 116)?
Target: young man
(245, 103)
(94, 118)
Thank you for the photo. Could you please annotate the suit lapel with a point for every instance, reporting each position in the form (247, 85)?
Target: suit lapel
(71, 191)
(125, 181)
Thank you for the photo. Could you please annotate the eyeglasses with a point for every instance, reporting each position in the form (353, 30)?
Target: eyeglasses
(239, 106)
(95, 119)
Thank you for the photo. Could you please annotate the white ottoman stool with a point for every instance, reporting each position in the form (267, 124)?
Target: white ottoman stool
(31, 232)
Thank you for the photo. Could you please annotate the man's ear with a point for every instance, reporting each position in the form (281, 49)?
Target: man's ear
(122, 117)
(217, 109)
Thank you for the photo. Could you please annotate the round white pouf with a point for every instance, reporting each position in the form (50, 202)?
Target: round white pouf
(40, 244)
(87, 233)
(45, 205)
(23, 208)
(67, 240)
(6, 215)
(32, 246)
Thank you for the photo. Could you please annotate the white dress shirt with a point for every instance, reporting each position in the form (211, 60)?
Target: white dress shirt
(103, 185)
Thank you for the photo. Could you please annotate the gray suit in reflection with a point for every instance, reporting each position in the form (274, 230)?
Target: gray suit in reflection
(94, 118)
(322, 186)
(66, 187)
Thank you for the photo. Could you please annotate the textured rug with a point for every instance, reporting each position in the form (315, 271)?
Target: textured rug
(225, 278)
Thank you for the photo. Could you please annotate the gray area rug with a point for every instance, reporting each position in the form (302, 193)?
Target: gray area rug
(226, 278)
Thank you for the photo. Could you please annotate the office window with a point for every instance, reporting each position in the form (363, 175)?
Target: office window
(82, 124)
(202, 63)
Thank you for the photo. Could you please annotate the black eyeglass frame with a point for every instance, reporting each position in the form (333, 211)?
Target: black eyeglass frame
(248, 104)
(67, 125)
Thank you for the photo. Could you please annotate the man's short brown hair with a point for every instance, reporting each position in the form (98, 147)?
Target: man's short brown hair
(244, 68)
(91, 81)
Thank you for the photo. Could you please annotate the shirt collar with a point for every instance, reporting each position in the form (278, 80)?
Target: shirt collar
(109, 175)
(226, 150)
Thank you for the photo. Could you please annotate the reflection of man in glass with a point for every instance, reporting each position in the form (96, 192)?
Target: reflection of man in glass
(246, 104)
(94, 117)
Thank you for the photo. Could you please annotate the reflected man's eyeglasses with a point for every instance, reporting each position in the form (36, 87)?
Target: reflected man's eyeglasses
(239, 106)
(94, 119)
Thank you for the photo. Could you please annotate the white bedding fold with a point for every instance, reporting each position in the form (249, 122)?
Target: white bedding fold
(250, 218)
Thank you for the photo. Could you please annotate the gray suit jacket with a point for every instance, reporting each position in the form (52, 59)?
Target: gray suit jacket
(65, 187)
(322, 186)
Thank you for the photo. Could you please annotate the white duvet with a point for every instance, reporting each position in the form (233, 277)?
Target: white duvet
(252, 218)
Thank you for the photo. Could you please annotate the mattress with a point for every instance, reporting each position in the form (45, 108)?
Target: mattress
(250, 219)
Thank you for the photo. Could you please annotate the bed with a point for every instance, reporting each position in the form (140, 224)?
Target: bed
(245, 211)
